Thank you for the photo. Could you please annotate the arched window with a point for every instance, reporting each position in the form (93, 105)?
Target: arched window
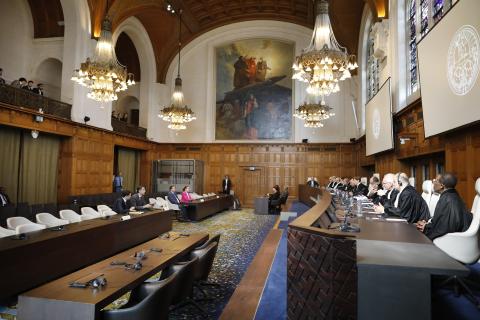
(421, 15)
(372, 66)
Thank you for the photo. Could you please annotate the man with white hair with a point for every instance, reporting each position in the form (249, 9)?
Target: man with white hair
(408, 204)
(331, 182)
(388, 194)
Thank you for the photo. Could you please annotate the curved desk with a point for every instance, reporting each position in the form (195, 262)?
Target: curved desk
(381, 272)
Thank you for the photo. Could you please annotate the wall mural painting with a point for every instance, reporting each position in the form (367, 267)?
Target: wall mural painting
(254, 90)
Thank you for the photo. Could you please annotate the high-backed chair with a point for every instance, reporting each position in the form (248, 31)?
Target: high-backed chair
(147, 302)
(427, 190)
(183, 288)
(215, 238)
(411, 181)
(14, 222)
(433, 203)
(463, 247)
(90, 213)
(49, 220)
(102, 207)
(70, 215)
(476, 200)
(24, 228)
(364, 181)
(202, 269)
(6, 232)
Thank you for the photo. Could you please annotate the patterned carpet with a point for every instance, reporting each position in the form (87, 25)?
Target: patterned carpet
(242, 233)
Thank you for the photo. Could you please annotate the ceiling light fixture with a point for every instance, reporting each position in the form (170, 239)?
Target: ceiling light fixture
(324, 63)
(103, 74)
(313, 114)
(177, 114)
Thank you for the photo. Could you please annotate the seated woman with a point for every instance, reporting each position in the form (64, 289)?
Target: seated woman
(273, 197)
(186, 198)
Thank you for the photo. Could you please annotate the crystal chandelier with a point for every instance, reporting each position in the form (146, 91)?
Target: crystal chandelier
(324, 62)
(178, 114)
(313, 114)
(103, 74)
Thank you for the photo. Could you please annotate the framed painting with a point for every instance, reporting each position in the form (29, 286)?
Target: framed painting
(254, 90)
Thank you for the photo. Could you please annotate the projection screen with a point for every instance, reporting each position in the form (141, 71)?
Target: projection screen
(378, 121)
(449, 62)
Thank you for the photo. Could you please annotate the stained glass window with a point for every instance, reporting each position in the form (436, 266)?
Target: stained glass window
(439, 7)
(412, 45)
(424, 6)
(372, 67)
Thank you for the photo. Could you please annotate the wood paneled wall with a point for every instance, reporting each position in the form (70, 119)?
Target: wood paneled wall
(87, 155)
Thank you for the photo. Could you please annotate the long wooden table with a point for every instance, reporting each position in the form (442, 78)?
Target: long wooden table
(57, 301)
(198, 209)
(382, 272)
(46, 254)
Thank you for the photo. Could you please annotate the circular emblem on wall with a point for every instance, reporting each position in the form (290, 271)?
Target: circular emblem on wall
(376, 124)
(463, 60)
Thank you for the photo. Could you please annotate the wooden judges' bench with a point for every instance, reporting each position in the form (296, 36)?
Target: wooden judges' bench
(382, 272)
(45, 255)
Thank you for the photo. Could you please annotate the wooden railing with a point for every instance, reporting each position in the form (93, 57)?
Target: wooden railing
(130, 129)
(27, 99)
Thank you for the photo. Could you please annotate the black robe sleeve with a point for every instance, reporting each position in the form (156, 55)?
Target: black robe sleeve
(411, 206)
(450, 216)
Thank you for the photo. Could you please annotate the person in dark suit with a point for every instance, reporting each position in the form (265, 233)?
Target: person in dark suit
(273, 196)
(4, 199)
(358, 188)
(38, 89)
(172, 197)
(138, 199)
(226, 184)
(121, 204)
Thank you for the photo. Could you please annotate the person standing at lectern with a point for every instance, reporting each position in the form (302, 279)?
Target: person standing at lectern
(226, 184)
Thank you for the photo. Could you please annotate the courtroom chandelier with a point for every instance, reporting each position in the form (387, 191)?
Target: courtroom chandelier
(313, 114)
(103, 74)
(177, 114)
(324, 63)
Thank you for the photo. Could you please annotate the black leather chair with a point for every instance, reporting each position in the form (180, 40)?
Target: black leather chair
(147, 302)
(277, 204)
(6, 212)
(183, 287)
(202, 269)
(215, 238)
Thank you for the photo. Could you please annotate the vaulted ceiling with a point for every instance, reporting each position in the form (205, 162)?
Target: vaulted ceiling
(200, 16)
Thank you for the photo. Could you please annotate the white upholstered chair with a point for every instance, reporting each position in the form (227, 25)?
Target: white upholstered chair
(364, 181)
(6, 232)
(24, 228)
(89, 213)
(476, 200)
(70, 215)
(433, 203)
(49, 220)
(103, 207)
(411, 181)
(427, 190)
(172, 206)
(14, 222)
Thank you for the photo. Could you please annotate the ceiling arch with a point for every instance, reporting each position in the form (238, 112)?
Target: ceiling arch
(47, 18)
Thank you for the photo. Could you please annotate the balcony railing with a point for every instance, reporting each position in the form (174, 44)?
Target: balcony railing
(27, 99)
(130, 129)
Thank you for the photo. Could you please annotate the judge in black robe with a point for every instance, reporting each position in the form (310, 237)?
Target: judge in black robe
(450, 216)
(411, 206)
(388, 199)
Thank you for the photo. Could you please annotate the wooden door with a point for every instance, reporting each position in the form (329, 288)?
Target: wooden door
(251, 186)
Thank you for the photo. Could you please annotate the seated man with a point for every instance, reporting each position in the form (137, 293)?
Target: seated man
(450, 215)
(338, 183)
(172, 197)
(138, 199)
(4, 199)
(121, 204)
(388, 194)
(373, 188)
(331, 182)
(408, 204)
(358, 188)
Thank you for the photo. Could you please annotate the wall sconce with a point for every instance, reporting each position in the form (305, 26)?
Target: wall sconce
(39, 118)
(407, 137)
(35, 134)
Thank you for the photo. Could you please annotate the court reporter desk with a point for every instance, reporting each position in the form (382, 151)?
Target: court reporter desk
(198, 209)
(47, 254)
(382, 272)
(56, 300)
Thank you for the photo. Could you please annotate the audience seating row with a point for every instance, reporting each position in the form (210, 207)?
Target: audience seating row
(30, 211)
(93, 200)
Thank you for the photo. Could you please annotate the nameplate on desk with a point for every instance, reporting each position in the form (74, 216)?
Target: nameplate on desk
(135, 212)
(127, 217)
